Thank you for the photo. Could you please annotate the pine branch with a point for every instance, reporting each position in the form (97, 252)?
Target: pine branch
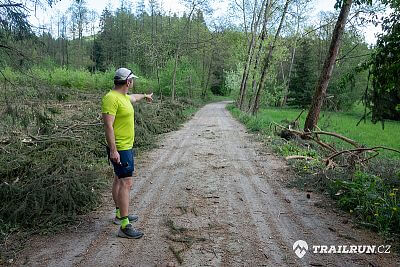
(11, 5)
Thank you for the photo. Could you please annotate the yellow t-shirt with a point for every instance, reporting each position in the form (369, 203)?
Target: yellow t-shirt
(119, 105)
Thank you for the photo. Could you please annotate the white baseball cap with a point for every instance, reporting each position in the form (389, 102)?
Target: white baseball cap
(124, 74)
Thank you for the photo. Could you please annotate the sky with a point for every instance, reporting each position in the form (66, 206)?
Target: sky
(328, 5)
(220, 8)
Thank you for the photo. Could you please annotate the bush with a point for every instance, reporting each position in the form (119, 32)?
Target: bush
(232, 80)
(62, 77)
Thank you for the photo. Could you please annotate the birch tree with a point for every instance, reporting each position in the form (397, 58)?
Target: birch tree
(267, 61)
(257, 15)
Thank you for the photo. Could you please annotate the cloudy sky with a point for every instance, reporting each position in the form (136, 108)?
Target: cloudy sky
(220, 8)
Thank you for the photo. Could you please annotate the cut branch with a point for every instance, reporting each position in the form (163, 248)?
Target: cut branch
(348, 140)
(355, 156)
(361, 149)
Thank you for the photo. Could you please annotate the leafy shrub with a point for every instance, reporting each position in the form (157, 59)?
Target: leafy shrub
(62, 77)
(233, 79)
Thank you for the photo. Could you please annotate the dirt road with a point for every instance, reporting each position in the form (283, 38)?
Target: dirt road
(211, 196)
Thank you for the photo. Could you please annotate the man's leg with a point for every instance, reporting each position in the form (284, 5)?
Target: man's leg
(117, 184)
(115, 190)
(124, 187)
(126, 230)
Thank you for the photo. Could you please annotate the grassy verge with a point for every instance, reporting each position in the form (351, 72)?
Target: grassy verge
(370, 192)
(368, 134)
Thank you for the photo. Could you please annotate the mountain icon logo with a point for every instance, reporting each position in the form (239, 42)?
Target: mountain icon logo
(300, 247)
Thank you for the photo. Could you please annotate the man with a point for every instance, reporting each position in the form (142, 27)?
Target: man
(118, 118)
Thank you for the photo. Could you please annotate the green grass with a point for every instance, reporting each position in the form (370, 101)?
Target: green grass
(189, 111)
(368, 134)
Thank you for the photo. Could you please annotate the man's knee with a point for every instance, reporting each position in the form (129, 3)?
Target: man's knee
(126, 182)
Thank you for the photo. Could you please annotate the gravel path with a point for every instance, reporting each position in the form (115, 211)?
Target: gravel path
(211, 196)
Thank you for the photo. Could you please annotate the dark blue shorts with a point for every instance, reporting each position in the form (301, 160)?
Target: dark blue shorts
(126, 166)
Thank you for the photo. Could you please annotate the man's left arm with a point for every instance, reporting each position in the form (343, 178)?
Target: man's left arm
(138, 97)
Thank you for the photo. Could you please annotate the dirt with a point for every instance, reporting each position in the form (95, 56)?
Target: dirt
(210, 195)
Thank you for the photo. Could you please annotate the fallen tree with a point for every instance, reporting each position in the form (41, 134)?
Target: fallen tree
(360, 154)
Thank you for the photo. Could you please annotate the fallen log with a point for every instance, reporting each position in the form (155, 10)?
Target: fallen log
(355, 155)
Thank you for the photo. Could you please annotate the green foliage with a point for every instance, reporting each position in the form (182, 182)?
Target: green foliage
(61, 77)
(42, 187)
(308, 64)
(233, 79)
(158, 118)
(382, 94)
(370, 199)
(304, 76)
(46, 189)
(146, 43)
(274, 93)
(353, 53)
(292, 149)
(188, 78)
(384, 98)
(275, 85)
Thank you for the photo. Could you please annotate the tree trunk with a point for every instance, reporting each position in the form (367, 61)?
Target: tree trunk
(66, 51)
(152, 24)
(174, 75)
(259, 52)
(287, 83)
(203, 78)
(190, 87)
(250, 54)
(93, 50)
(204, 93)
(244, 20)
(322, 85)
(158, 82)
(254, 78)
(267, 62)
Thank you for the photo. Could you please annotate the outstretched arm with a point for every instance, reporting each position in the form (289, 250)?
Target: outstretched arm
(138, 97)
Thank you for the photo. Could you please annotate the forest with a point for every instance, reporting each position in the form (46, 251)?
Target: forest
(182, 56)
(313, 82)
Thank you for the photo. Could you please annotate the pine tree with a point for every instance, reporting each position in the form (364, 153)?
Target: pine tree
(304, 77)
